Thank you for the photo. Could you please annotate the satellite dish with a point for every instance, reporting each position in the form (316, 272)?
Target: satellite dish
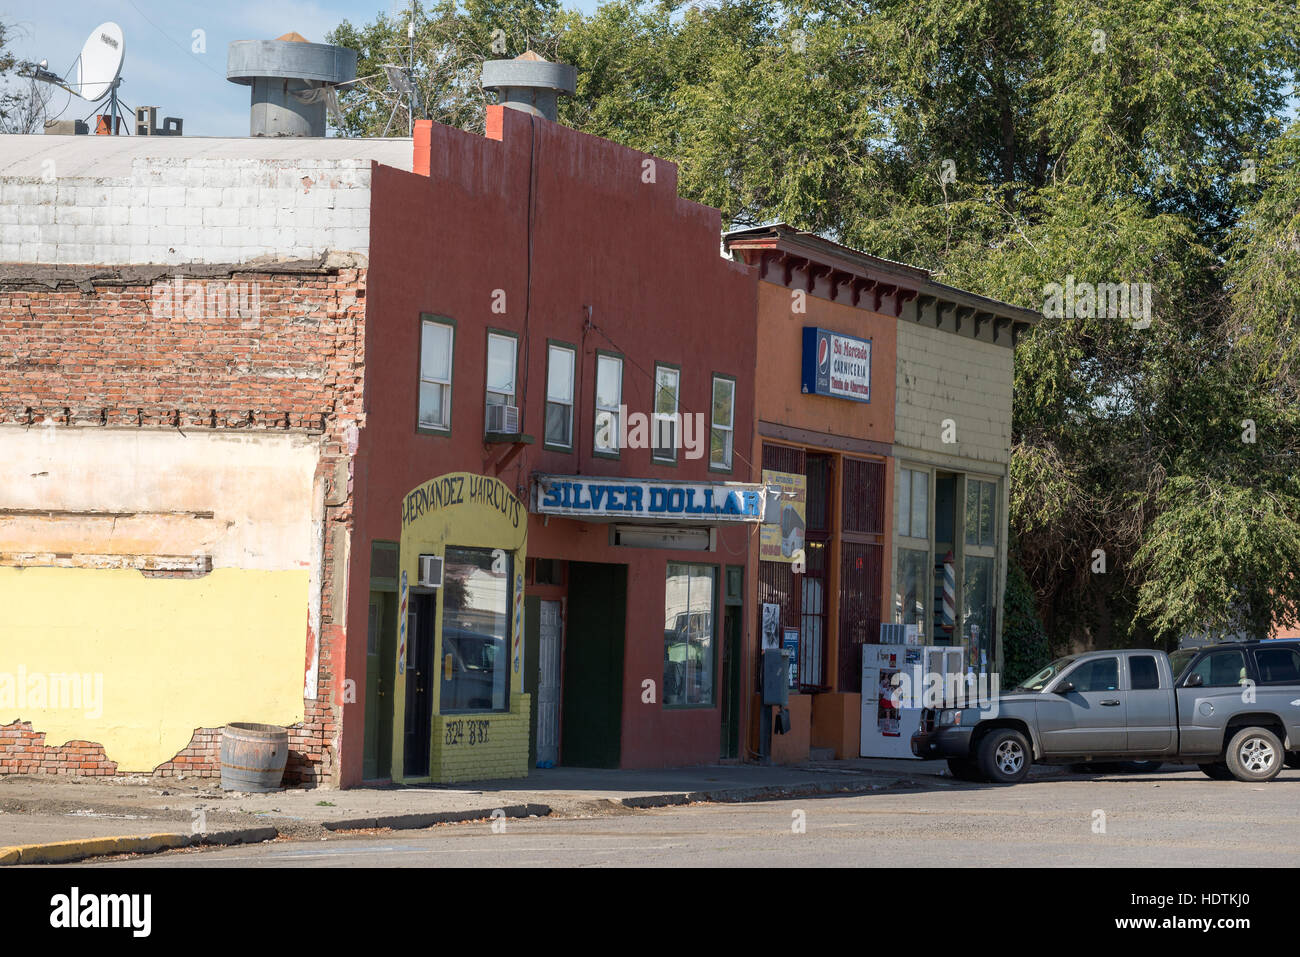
(398, 81)
(100, 62)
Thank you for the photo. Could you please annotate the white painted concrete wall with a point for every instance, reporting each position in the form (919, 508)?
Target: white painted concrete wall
(172, 200)
(109, 497)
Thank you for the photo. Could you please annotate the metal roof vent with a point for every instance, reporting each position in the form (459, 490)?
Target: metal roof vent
(293, 81)
(530, 83)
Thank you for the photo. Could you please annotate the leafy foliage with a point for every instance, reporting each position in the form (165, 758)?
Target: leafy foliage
(1024, 640)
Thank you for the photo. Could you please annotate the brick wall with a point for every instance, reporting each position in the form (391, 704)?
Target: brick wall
(310, 761)
(86, 347)
(467, 757)
(24, 751)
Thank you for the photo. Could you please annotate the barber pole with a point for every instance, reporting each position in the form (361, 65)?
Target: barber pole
(403, 600)
(949, 593)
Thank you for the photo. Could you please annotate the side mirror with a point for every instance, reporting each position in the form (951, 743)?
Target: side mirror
(1065, 687)
(1193, 681)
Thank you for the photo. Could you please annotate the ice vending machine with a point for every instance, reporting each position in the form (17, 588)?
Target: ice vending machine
(887, 730)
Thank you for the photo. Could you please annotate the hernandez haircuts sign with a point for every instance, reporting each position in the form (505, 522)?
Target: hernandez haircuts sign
(836, 365)
(640, 500)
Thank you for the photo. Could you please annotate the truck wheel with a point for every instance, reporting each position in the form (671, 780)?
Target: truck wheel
(1219, 771)
(963, 769)
(1005, 756)
(1255, 754)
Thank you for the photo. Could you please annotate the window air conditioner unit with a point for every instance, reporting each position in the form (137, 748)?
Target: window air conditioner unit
(891, 634)
(430, 571)
(503, 418)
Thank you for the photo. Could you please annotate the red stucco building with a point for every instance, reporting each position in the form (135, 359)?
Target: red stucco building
(557, 274)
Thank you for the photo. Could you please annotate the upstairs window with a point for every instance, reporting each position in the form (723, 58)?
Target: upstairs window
(722, 433)
(609, 399)
(559, 397)
(667, 392)
(436, 340)
(500, 377)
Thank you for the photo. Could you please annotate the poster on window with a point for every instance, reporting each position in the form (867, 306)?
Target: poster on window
(771, 627)
(779, 541)
(790, 645)
(887, 717)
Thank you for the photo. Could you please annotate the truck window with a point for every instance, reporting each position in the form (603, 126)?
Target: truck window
(1100, 674)
(1143, 673)
(1039, 681)
(1278, 665)
(1179, 660)
(1221, 669)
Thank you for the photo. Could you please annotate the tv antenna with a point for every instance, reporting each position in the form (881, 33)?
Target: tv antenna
(98, 70)
(401, 79)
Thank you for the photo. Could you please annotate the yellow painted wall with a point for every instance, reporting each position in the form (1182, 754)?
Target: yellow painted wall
(173, 654)
(463, 755)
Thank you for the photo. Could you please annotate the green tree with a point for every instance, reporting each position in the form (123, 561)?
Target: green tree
(450, 44)
(1025, 647)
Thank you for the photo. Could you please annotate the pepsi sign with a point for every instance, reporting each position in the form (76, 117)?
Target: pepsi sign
(836, 365)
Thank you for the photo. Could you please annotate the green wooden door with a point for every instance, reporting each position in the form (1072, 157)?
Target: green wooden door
(377, 758)
(592, 708)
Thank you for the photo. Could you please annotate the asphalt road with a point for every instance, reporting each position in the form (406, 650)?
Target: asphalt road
(1174, 817)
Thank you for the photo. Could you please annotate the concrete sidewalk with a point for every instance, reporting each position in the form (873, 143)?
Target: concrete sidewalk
(38, 809)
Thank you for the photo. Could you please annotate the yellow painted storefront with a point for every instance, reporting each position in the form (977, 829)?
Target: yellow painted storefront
(463, 510)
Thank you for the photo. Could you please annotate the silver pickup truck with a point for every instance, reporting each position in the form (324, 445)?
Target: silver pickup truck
(1233, 709)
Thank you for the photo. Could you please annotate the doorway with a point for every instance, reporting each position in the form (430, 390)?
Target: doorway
(381, 633)
(419, 687)
(591, 710)
(730, 744)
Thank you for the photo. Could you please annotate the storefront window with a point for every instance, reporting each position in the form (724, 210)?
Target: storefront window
(977, 609)
(475, 629)
(689, 613)
(909, 600)
(980, 512)
(913, 497)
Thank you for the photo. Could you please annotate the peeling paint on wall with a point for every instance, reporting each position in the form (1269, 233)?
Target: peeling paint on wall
(80, 518)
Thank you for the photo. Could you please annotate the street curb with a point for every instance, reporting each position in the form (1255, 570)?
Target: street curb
(65, 852)
(743, 795)
(405, 822)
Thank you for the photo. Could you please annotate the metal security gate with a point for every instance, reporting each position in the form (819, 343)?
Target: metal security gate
(860, 596)
(776, 584)
(548, 684)
(862, 554)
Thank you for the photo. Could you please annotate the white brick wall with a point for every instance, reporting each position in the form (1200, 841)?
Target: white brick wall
(941, 375)
(188, 209)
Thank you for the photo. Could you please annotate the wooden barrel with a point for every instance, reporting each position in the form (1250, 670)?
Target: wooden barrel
(253, 756)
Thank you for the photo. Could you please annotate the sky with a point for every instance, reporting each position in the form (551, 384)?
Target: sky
(161, 68)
